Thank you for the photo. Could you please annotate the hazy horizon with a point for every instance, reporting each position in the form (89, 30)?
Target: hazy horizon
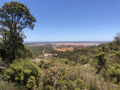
(62, 41)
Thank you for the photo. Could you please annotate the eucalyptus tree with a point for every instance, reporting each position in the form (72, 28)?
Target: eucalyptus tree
(14, 18)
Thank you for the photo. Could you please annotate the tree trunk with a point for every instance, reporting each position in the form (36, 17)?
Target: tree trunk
(14, 49)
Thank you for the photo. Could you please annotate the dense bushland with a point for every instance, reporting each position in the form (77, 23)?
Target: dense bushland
(104, 57)
(90, 68)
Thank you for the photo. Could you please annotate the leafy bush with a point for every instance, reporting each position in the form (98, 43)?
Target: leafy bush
(23, 72)
(114, 73)
(63, 77)
(93, 85)
(80, 83)
(48, 64)
(31, 83)
(10, 86)
(41, 64)
(117, 54)
(101, 61)
(66, 61)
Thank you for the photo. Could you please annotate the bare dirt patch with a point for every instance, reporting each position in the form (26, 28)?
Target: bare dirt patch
(64, 49)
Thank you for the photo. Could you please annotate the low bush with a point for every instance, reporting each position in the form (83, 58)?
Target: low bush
(114, 73)
(101, 61)
(117, 54)
(23, 72)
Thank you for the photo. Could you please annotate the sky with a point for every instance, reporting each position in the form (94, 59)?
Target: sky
(73, 20)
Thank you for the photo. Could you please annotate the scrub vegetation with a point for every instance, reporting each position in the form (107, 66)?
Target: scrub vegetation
(89, 68)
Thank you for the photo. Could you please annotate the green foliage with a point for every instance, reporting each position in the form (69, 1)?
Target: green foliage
(31, 83)
(80, 83)
(49, 64)
(117, 54)
(104, 48)
(10, 86)
(37, 50)
(62, 76)
(72, 63)
(48, 87)
(70, 85)
(117, 39)
(75, 58)
(41, 64)
(14, 17)
(83, 59)
(23, 72)
(70, 71)
(114, 73)
(66, 61)
(93, 85)
(92, 62)
(101, 59)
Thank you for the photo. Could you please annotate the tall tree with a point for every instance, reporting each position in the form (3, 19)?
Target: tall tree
(14, 18)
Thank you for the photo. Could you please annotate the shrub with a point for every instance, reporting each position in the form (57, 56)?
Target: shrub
(71, 85)
(41, 64)
(10, 86)
(93, 85)
(83, 59)
(66, 61)
(48, 87)
(48, 64)
(23, 72)
(63, 77)
(75, 58)
(114, 73)
(51, 76)
(80, 83)
(72, 63)
(117, 54)
(31, 82)
(101, 61)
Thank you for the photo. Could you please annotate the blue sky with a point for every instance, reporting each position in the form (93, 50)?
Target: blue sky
(73, 20)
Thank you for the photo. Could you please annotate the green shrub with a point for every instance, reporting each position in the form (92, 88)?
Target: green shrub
(51, 76)
(114, 73)
(101, 61)
(48, 87)
(48, 64)
(63, 77)
(72, 63)
(80, 83)
(117, 54)
(41, 64)
(10, 86)
(31, 82)
(71, 85)
(23, 72)
(93, 85)
(66, 61)
(83, 59)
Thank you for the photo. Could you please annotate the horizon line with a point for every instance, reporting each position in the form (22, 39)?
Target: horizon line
(70, 41)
